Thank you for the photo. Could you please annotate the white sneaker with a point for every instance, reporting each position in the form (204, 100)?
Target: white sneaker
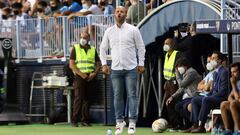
(119, 127)
(131, 128)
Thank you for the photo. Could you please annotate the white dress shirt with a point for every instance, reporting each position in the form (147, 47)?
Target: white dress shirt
(126, 46)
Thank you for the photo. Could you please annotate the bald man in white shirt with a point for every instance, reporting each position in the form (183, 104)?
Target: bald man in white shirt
(128, 54)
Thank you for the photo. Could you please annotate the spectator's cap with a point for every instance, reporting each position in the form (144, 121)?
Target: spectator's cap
(183, 27)
(2, 5)
(42, 4)
(7, 10)
(17, 5)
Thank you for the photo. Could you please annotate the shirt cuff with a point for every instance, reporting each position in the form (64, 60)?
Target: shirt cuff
(104, 63)
(141, 64)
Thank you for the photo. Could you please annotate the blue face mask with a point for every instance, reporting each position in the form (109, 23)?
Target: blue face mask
(85, 6)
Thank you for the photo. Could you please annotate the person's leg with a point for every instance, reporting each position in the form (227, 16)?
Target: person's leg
(196, 103)
(235, 108)
(131, 88)
(186, 114)
(85, 103)
(196, 106)
(175, 120)
(208, 103)
(118, 90)
(181, 108)
(226, 115)
(79, 85)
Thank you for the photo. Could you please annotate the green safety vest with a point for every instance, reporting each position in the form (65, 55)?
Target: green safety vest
(168, 70)
(85, 62)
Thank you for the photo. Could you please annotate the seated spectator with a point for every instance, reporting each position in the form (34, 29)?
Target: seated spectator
(68, 8)
(205, 86)
(187, 79)
(230, 109)
(106, 8)
(41, 10)
(127, 4)
(202, 105)
(88, 8)
(17, 9)
(2, 5)
(6, 26)
(54, 6)
(135, 12)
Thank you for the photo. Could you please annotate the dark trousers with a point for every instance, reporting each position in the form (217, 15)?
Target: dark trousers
(81, 100)
(201, 107)
(181, 108)
(174, 118)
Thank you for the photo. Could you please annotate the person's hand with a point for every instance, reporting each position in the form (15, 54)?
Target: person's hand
(70, 17)
(169, 100)
(105, 69)
(140, 69)
(233, 80)
(176, 33)
(91, 76)
(83, 75)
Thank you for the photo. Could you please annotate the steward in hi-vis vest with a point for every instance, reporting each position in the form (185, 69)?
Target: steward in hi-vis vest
(170, 85)
(85, 64)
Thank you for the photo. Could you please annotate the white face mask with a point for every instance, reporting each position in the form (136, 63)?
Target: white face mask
(209, 66)
(183, 34)
(85, 6)
(166, 48)
(83, 41)
(91, 43)
(181, 70)
(214, 63)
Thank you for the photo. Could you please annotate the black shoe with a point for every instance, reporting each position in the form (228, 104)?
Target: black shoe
(74, 124)
(190, 129)
(178, 127)
(85, 124)
(200, 129)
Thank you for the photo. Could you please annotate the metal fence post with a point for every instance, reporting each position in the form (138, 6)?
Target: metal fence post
(18, 40)
(65, 37)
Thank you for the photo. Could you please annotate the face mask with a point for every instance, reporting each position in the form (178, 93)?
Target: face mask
(214, 63)
(166, 48)
(102, 3)
(54, 8)
(15, 12)
(91, 43)
(65, 4)
(85, 6)
(183, 34)
(4, 17)
(181, 70)
(40, 10)
(83, 41)
(209, 66)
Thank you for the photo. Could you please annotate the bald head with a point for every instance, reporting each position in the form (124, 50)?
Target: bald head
(121, 8)
(120, 15)
(170, 43)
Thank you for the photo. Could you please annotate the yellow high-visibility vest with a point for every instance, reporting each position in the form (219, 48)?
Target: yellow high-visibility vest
(85, 61)
(168, 70)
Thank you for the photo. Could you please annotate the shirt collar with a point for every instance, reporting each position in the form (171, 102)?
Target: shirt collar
(122, 26)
